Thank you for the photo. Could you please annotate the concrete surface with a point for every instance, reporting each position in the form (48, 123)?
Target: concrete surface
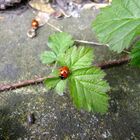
(56, 117)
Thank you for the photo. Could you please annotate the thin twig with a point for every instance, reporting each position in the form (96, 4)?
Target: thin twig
(125, 51)
(96, 5)
(91, 43)
(78, 41)
(113, 63)
(54, 27)
(25, 83)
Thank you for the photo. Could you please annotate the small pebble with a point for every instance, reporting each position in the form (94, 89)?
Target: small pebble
(31, 33)
(31, 118)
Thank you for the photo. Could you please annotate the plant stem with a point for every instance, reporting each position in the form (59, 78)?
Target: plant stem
(127, 52)
(113, 63)
(54, 67)
(54, 27)
(105, 65)
(91, 43)
(78, 41)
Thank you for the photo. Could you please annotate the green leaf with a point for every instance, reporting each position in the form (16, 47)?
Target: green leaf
(56, 83)
(60, 42)
(51, 83)
(54, 73)
(118, 24)
(88, 89)
(47, 57)
(135, 55)
(61, 86)
(76, 58)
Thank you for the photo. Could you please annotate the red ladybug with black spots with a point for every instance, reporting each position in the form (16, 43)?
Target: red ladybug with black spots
(64, 72)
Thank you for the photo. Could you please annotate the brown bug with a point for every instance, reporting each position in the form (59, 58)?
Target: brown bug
(35, 24)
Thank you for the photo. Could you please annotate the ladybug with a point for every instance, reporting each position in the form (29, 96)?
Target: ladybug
(35, 24)
(64, 72)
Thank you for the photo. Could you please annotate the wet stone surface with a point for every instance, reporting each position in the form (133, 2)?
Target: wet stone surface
(20, 55)
(55, 116)
(57, 119)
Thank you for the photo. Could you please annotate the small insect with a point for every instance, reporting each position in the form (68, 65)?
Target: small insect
(35, 24)
(64, 72)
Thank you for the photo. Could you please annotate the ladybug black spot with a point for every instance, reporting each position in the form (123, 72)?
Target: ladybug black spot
(62, 77)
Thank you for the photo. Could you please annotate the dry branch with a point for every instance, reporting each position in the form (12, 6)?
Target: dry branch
(105, 65)
(113, 63)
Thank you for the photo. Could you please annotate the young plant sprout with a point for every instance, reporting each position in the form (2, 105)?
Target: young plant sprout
(73, 68)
